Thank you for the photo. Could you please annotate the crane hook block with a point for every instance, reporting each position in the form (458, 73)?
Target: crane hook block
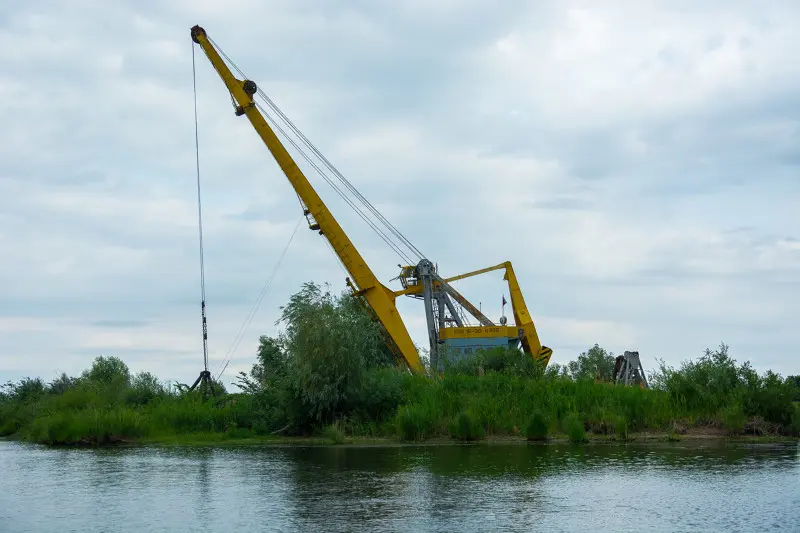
(249, 87)
(197, 30)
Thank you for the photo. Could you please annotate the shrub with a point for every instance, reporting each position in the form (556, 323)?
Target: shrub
(536, 430)
(467, 427)
(734, 419)
(334, 433)
(621, 428)
(414, 422)
(575, 429)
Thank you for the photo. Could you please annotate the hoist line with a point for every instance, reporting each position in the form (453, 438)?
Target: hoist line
(330, 166)
(335, 187)
(254, 309)
(200, 218)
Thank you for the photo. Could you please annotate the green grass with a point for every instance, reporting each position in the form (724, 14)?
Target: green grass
(334, 433)
(574, 428)
(501, 403)
(470, 403)
(536, 430)
(462, 407)
(467, 426)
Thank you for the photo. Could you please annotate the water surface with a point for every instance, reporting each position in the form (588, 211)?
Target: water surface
(670, 487)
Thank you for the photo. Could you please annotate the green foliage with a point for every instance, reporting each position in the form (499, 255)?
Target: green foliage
(90, 426)
(375, 399)
(467, 426)
(621, 428)
(329, 372)
(715, 381)
(61, 384)
(554, 370)
(575, 429)
(330, 361)
(505, 402)
(109, 371)
(328, 345)
(415, 422)
(537, 427)
(145, 387)
(27, 390)
(335, 433)
(595, 363)
(270, 369)
(793, 383)
(734, 419)
(794, 426)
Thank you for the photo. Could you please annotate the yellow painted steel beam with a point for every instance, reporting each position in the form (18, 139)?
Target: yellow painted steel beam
(522, 318)
(380, 298)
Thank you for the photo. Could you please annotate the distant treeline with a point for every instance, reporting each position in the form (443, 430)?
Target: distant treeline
(329, 373)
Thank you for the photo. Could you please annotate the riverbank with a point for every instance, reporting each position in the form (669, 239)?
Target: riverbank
(692, 437)
(395, 408)
(494, 396)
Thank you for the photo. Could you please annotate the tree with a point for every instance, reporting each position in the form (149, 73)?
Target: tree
(554, 370)
(61, 384)
(144, 387)
(271, 366)
(593, 363)
(328, 342)
(794, 384)
(109, 370)
(27, 390)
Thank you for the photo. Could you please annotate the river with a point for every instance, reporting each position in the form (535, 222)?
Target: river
(670, 487)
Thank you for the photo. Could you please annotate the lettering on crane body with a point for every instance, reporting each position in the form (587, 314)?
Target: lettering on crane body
(483, 330)
(475, 331)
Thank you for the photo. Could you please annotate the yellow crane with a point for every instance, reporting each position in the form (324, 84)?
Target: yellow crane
(446, 325)
(524, 329)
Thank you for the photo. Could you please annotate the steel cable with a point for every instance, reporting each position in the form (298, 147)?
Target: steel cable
(392, 229)
(200, 217)
(254, 309)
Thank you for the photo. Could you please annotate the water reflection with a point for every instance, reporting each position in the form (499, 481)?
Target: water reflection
(424, 488)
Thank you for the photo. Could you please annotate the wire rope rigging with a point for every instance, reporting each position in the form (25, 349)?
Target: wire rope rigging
(205, 375)
(395, 239)
(251, 314)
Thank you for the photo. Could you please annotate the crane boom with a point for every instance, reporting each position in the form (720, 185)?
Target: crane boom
(529, 336)
(380, 298)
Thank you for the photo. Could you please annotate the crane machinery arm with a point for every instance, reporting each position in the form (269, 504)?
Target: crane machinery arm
(379, 297)
(530, 338)
(524, 322)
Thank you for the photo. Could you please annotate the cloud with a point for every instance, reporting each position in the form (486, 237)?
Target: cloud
(638, 166)
(120, 323)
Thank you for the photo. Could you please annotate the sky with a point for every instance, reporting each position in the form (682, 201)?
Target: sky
(637, 162)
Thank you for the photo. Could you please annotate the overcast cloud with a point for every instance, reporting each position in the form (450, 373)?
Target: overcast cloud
(638, 162)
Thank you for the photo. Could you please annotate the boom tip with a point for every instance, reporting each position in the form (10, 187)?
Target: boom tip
(196, 31)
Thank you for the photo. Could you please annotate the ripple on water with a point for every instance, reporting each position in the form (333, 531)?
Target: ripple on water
(426, 488)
